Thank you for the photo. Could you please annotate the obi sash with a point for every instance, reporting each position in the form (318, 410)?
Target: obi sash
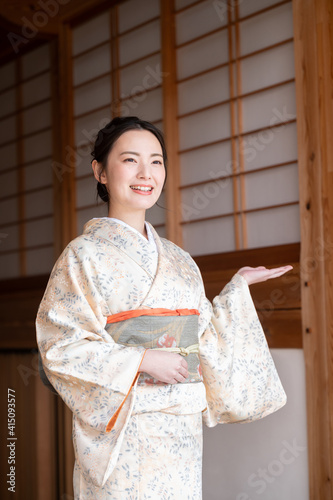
(170, 330)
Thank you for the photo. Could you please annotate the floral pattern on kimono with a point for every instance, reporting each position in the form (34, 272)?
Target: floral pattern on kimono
(108, 270)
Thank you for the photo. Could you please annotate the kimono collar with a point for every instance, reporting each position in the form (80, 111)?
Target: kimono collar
(126, 240)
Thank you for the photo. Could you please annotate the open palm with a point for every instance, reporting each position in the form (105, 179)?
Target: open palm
(261, 273)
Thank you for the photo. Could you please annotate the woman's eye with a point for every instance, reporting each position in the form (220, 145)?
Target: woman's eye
(158, 162)
(129, 159)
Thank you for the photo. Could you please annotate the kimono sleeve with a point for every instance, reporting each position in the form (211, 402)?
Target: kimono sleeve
(239, 374)
(92, 374)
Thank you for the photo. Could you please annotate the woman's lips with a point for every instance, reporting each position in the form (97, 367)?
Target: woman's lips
(144, 190)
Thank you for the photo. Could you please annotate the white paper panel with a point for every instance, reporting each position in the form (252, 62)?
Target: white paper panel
(8, 155)
(271, 187)
(37, 118)
(40, 261)
(203, 54)
(149, 107)
(161, 231)
(8, 183)
(7, 102)
(269, 148)
(87, 127)
(266, 29)
(206, 163)
(83, 216)
(39, 232)
(92, 64)
(205, 201)
(134, 12)
(266, 459)
(7, 129)
(203, 127)
(197, 21)
(36, 90)
(91, 33)
(38, 203)
(38, 146)
(9, 239)
(157, 215)
(205, 90)
(277, 226)
(8, 212)
(179, 4)
(36, 61)
(7, 75)
(92, 95)
(140, 42)
(86, 192)
(10, 266)
(269, 107)
(213, 236)
(141, 76)
(159, 125)
(267, 68)
(39, 174)
(247, 7)
(83, 161)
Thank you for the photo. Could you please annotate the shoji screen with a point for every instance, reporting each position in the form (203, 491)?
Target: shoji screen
(237, 124)
(92, 97)
(26, 195)
(140, 72)
(116, 71)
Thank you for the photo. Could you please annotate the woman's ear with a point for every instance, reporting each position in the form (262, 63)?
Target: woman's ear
(99, 174)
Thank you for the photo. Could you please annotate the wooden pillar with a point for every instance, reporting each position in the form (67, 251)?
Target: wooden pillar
(64, 154)
(313, 21)
(64, 157)
(170, 120)
(20, 171)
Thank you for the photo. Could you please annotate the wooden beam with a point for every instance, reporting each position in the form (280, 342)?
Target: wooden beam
(170, 121)
(313, 20)
(241, 162)
(266, 256)
(233, 126)
(64, 163)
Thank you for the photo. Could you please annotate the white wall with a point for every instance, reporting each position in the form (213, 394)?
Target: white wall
(266, 459)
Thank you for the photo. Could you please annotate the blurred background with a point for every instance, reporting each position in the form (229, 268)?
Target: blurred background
(242, 92)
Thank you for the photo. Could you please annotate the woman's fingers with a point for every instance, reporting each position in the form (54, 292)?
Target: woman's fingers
(279, 271)
(167, 367)
(261, 273)
(181, 371)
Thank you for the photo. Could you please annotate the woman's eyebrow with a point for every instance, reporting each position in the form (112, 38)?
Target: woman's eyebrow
(138, 154)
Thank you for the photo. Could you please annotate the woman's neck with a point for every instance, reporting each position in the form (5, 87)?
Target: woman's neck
(137, 221)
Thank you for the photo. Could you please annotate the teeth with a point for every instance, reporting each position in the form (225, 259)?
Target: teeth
(141, 188)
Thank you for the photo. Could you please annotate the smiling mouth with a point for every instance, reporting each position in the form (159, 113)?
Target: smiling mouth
(142, 188)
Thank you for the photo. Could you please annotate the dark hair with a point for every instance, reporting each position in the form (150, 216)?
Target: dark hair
(107, 137)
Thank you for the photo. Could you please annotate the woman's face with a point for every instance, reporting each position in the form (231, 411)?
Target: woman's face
(134, 174)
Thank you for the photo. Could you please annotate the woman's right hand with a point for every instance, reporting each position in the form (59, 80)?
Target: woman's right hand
(167, 367)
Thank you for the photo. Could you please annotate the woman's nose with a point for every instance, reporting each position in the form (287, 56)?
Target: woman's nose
(144, 172)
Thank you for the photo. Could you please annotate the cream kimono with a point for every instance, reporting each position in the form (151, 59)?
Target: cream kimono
(134, 440)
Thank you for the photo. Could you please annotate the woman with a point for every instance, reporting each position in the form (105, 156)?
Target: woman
(134, 348)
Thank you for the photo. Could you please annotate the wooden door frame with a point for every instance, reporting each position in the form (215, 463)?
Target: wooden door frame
(313, 20)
